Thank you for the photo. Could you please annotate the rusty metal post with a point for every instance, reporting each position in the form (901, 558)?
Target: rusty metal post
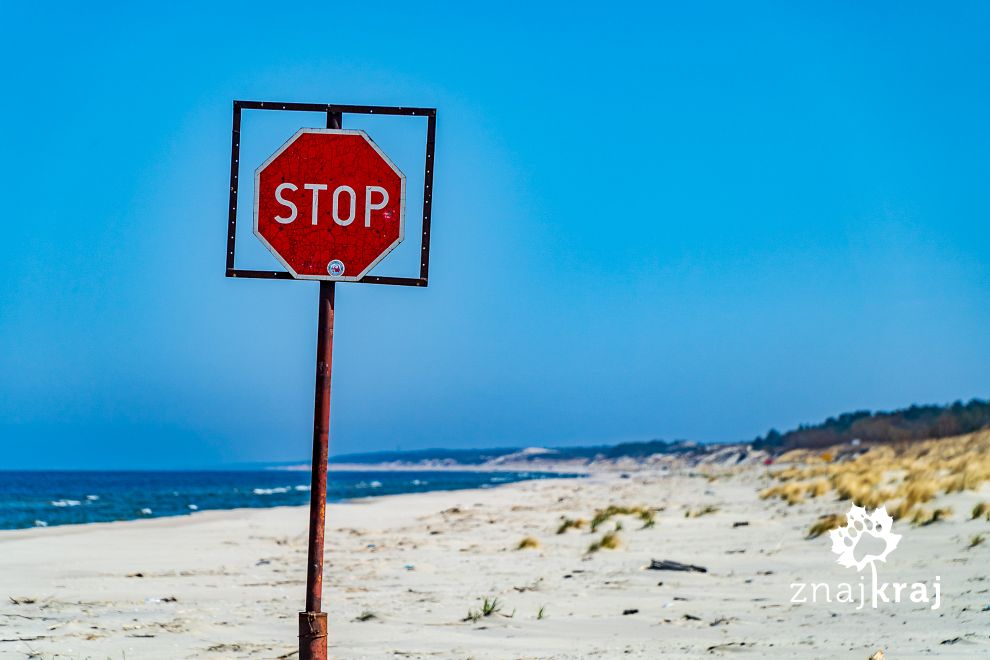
(313, 622)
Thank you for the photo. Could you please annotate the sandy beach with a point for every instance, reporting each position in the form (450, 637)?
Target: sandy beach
(407, 575)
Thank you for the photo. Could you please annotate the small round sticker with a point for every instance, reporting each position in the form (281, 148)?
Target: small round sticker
(336, 268)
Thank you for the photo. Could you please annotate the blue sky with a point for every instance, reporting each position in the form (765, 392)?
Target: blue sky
(651, 220)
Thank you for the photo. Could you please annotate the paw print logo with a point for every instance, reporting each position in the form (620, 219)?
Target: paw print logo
(874, 531)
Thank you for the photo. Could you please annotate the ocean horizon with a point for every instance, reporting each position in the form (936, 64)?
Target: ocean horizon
(43, 498)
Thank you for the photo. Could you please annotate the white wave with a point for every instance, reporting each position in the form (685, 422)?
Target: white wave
(375, 484)
(193, 507)
(304, 488)
(417, 482)
(146, 511)
(269, 491)
(92, 498)
(40, 523)
(66, 503)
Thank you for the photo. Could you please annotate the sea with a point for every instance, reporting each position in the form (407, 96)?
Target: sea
(43, 499)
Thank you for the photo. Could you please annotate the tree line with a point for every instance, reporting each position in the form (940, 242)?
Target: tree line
(913, 423)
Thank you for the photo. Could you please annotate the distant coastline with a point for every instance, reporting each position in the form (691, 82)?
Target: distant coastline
(853, 430)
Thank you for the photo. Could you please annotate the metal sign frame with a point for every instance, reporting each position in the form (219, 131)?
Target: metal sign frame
(334, 114)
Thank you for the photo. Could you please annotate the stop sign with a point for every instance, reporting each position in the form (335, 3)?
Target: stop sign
(329, 204)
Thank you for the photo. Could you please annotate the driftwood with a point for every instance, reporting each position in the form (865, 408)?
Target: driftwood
(668, 565)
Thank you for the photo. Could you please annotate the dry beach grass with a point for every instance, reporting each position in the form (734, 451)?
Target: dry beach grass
(902, 477)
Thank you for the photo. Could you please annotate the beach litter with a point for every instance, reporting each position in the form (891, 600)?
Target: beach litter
(668, 565)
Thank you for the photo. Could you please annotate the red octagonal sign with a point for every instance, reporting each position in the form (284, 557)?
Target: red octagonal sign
(329, 204)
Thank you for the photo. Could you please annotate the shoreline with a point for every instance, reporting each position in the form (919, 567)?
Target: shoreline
(404, 467)
(218, 514)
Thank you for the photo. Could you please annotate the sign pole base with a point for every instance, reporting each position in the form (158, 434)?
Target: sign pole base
(313, 635)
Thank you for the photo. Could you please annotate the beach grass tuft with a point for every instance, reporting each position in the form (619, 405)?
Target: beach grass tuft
(609, 541)
(528, 543)
(704, 511)
(817, 488)
(489, 606)
(825, 524)
(648, 517)
(604, 515)
(572, 523)
(925, 516)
